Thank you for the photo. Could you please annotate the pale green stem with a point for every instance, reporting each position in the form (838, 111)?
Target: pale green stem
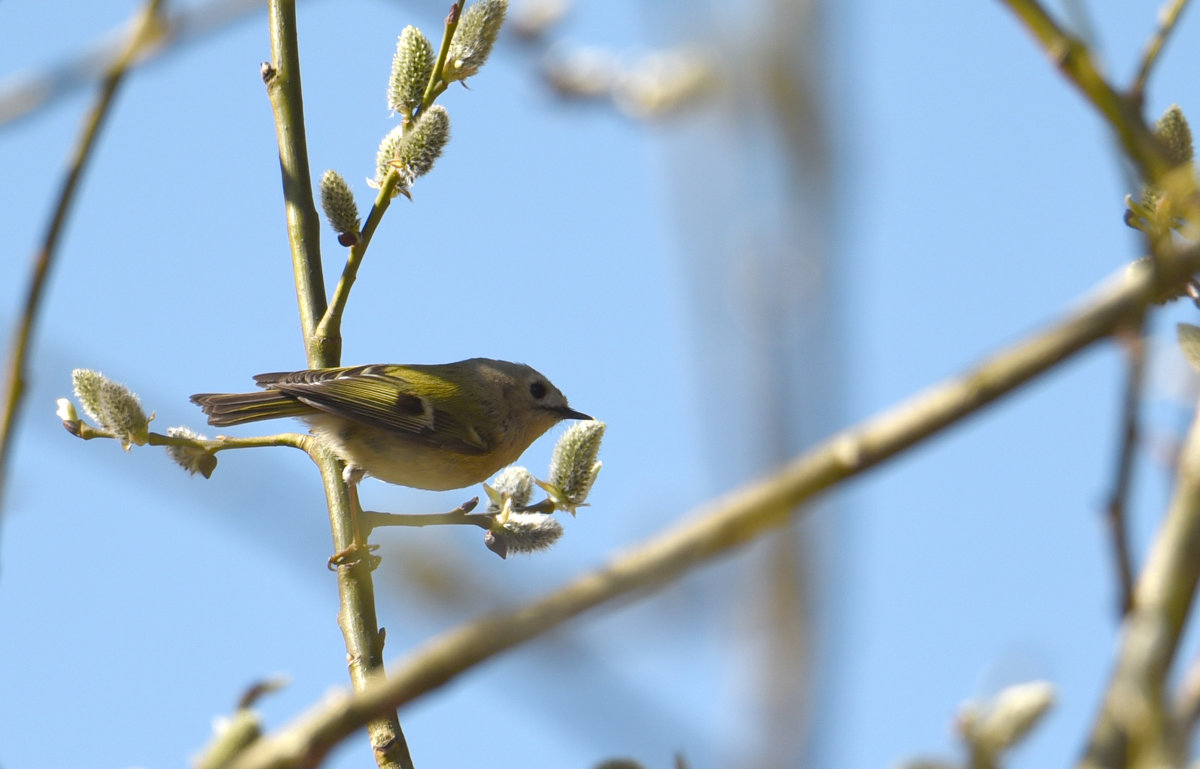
(1168, 20)
(460, 516)
(331, 321)
(436, 86)
(282, 78)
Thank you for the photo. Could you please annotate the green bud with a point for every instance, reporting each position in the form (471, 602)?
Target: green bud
(193, 458)
(338, 203)
(1175, 135)
(113, 406)
(513, 485)
(473, 40)
(415, 151)
(573, 466)
(412, 66)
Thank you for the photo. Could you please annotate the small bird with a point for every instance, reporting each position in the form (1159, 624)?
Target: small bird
(435, 427)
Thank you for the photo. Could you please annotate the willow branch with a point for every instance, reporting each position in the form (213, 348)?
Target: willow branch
(356, 592)
(1168, 20)
(330, 325)
(331, 321)
(144, 30)
(437, 84)
(282, 78)
(459, 516)
(727, 523)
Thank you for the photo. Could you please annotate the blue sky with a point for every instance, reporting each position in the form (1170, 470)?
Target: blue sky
(972, 197)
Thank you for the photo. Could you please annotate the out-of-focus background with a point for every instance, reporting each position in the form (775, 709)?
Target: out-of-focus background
(871, 196)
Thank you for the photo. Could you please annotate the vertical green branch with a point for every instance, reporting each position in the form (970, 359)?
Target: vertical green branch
(356, 615)
(282, 79)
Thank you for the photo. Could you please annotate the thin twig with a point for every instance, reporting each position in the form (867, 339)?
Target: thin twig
(282, 79)
(1118, 500)
(459, 516)
(306, 443)
(330, 325)
(143, 30)
(437, 85)
(721, 526)
(373, 520)
(1168, 19)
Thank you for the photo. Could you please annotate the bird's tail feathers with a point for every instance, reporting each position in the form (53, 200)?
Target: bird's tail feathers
(225, 409)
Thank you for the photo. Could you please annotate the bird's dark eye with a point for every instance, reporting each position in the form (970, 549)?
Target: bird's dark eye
(537, 390)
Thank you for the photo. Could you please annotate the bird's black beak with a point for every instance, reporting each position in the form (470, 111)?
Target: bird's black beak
(566, 412)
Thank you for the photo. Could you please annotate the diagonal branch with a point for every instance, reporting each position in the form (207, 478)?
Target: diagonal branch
(1168, 21)
(727, 523)
(144, 30)
(1072, 56)
(22, 94)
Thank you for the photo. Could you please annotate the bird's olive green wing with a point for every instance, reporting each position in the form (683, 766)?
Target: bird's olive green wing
(379, 397)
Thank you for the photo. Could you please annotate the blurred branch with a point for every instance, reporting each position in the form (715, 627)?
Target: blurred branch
(144, 30)
(1187, 704)
(1072, 56)
(356, 592)
(1118, 500)
(1168, 20)
(1133, 728)
(23, 94)
(729, 522)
